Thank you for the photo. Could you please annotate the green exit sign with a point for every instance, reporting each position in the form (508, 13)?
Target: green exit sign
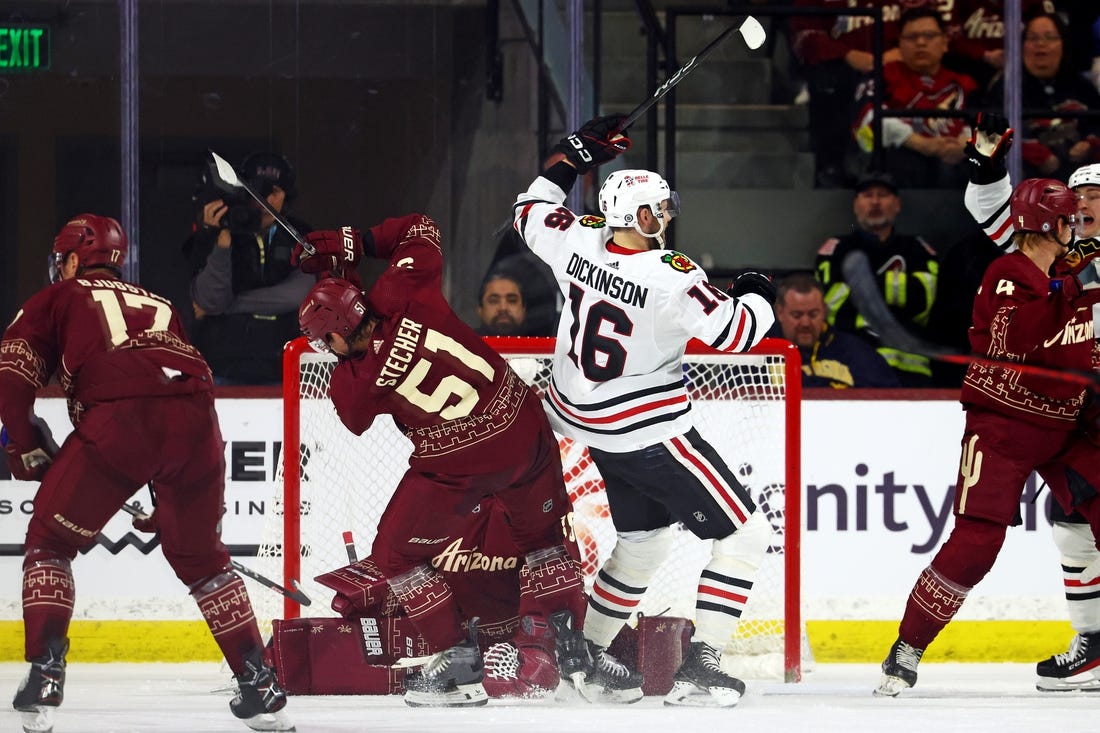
(24, 48)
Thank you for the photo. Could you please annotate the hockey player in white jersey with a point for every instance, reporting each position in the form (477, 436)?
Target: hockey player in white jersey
(987, 200)
(617, 386)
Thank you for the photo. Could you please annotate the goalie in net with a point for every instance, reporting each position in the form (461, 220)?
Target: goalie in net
(477, 430)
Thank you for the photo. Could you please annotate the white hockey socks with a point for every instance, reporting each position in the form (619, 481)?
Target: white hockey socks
(622, 581)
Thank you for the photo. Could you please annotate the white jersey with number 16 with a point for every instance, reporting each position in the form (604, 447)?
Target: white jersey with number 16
(617, 381)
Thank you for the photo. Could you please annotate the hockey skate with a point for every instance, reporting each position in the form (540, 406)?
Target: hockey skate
(1078, 668)
(260, 700)
(450, 678)
(589, 669)
(899, 669)
(700, 681)
(43, 689)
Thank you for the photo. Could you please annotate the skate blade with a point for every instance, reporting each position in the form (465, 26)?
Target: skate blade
(890, 686)
(688, 694)
(37, 718)
(1083, 682)
(466, 696)
(277, 721)
(576, 688)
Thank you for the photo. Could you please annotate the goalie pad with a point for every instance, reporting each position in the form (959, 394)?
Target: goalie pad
(525, 671)
(656, 648)
(335, 656)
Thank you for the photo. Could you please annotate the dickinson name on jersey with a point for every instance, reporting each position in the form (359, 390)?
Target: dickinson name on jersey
(616, 286)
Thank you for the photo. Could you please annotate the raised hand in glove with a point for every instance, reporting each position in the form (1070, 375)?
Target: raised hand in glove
(597, 141)
(753, 282)
(990, 140)
(337, 251)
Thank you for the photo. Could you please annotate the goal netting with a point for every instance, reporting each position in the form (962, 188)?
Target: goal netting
(746, 405)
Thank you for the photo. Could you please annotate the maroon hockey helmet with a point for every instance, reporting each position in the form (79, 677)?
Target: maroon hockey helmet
(97, 240)
(334, 305)
(1038, 203)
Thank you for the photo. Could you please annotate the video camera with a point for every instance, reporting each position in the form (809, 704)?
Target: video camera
(242, 214)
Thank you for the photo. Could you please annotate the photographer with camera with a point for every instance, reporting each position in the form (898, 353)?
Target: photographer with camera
(244, 291)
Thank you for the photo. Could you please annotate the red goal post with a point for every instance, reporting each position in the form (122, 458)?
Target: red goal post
(748, 406)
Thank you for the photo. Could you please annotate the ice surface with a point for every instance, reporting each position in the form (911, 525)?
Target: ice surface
(135, 698)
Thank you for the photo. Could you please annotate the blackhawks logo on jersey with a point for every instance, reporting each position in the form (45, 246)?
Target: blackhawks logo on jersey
(592, 222)
(678, 262)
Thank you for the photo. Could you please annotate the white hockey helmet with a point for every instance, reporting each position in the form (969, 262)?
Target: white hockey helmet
(1086, 175)
(624, 191)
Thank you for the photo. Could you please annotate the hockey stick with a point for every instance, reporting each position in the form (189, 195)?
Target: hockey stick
(868, 301)
(135, 510)
(349, 547)
(228, 177)
(751, 31)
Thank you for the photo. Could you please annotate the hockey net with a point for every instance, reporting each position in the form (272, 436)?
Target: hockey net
(746, 405)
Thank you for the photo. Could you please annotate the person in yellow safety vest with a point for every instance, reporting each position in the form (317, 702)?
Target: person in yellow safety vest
(906, 268)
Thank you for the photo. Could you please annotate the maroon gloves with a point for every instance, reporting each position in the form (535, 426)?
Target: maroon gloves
(338, 251)
(29, 463)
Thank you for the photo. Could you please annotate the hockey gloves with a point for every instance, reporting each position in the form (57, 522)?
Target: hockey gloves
(338, 252)
(1085, 277)
(990, 140)
(598, 141)
(753, 282)
(30, 465)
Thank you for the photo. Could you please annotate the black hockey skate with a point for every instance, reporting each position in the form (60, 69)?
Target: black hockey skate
(1077, 668)
(589, 669)
(260, 700)
(450, 678)
(700, 681)
(43, 689)
(899, 669)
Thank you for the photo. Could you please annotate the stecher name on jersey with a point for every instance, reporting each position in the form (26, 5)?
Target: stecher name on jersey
(606, 282)
(401, 353)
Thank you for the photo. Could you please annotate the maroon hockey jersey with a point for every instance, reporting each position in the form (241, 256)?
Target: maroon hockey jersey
(1017, 318)
(106, 339)
(977, 26)
(445, 389)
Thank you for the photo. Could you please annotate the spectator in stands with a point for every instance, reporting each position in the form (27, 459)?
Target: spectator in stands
(541, 296)
(501, 306)
(1053, 145)
(834, 52)
(922, 151)
(245, 292)
(904, 268)
(976, 30)
(830, 358)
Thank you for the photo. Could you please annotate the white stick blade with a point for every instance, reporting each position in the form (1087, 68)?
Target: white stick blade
(753, 33)
(225, 171)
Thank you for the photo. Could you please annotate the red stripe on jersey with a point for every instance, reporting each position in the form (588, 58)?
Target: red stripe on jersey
(633, 411)
(996, 236)
(740, 326)
(522, 215)
(729, 596)
(714, 481)
(602, 592)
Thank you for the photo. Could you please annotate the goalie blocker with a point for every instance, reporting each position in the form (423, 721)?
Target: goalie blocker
(355, 653)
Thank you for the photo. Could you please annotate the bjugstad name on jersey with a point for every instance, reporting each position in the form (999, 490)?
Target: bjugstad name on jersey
(596, 277)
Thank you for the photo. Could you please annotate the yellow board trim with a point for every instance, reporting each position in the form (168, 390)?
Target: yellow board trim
(124, 641)
(960, 641)
(831, 641)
